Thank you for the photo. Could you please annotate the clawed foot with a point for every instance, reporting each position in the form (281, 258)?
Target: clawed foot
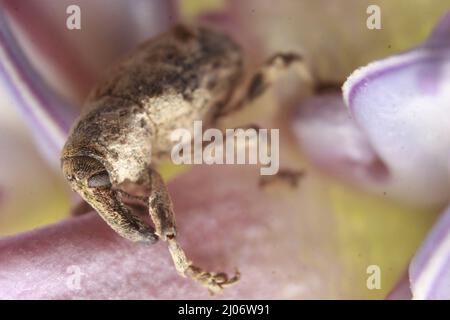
(215, 282)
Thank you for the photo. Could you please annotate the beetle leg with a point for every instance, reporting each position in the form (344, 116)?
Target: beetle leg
(215, 282)
(267, 74)
(160, 207)
(161, 213)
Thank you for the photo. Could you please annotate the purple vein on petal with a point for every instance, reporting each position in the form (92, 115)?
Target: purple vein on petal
(435, 47)
(363, 77)
(47, 114)
(430, 268)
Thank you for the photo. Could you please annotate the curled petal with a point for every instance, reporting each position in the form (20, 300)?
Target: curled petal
(429, 270)
(330, 138)
(48, 116)
(402, 104)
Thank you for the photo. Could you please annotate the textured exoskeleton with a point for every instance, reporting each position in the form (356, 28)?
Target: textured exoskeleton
(184, 75)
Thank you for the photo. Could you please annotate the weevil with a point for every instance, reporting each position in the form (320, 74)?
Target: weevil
(111, 155)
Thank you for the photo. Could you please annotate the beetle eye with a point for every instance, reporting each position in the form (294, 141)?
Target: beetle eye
(99, 180)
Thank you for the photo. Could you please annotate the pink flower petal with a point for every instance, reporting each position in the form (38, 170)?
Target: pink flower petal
(109, 28)
(33, 18)
(270, 237)
(48, 116)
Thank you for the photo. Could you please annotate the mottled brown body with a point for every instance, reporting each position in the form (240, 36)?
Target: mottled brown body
(165, 84)
(184, 75)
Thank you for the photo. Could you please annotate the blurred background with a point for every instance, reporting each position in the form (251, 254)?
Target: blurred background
(331, 34)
